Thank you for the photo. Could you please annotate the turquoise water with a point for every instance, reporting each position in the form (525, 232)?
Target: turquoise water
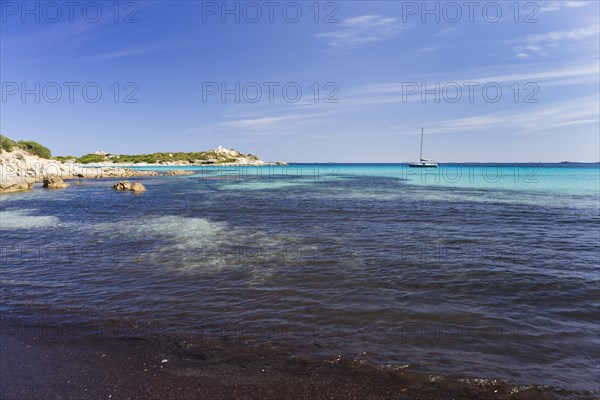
(488, 274)
(578, 184)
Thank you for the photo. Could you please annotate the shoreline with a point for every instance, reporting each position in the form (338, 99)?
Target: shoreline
(159, 366)
(20, 169)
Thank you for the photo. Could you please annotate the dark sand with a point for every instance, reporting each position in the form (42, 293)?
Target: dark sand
(132, 368)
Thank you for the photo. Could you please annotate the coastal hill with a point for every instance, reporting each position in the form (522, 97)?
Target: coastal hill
(219, 155)
(23, 163)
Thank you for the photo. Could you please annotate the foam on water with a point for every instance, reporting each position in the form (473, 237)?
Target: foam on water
(198, 244)
(184, 229)
(22, 219)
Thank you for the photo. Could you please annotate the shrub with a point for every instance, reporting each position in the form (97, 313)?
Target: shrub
(91, 158)
(6, 143)
(35, 149)
(158, 158)
(65, 158)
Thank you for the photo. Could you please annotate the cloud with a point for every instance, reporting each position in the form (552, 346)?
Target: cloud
(261, 125)
(120, 53)
(284, 119)
(538, 44)
(392, 92)
(130, 51)
(579, 111)
(556, 36)
(556, 5)
(255, 124)
(66, 35)
(446, 32)
(357, 31)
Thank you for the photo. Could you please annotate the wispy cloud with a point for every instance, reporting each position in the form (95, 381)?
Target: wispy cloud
(557, 5)
(392, 92)
(130, 51)
(275, 123)
(579, 111)
(446, 32)
(357, 31)
(256, 124)
(283, 119)
(60, 35)
(66, 35)
(539, 44)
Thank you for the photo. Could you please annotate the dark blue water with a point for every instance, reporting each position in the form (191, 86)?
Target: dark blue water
(476, 276)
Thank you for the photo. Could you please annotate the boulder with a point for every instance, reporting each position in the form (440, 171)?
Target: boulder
(54, 182)
(138, 187)
(128, 186)
(17, 185)
(123, 185)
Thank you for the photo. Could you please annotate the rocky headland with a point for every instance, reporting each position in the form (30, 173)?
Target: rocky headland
(20, 170)
(22, 164)
(218, 156)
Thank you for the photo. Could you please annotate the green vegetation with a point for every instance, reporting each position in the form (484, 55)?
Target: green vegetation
(28, 146)
(159, 158)
(91, 158)
(35, 149)
(7, 144)
(64, 158)
(203, 157)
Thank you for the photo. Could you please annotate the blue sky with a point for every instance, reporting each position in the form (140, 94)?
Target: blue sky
(369, 60)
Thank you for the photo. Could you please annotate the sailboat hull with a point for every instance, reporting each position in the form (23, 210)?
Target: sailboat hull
(423, 165)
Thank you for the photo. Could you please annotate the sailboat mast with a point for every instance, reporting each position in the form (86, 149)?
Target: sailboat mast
(421, 154)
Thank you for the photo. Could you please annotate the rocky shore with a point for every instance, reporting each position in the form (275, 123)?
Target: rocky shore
(20, 170)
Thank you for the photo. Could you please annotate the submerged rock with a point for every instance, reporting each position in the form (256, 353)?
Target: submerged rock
(54, 182)
(128, 186)
(179, 172)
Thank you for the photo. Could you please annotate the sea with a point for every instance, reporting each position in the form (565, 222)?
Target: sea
(481, 270)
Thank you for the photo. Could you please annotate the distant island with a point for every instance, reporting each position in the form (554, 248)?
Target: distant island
(23, 163)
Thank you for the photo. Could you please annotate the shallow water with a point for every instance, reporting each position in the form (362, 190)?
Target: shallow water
(488, 271)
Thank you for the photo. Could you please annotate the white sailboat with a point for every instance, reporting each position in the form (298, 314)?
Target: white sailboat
(424, 162)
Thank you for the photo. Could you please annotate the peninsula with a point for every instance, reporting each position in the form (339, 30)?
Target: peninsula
(23, 163)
